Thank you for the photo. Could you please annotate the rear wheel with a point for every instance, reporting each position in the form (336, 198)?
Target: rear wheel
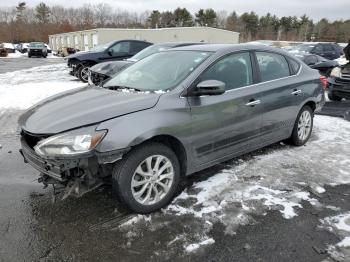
(333, 97)
(83, 73)
(302, 127)
(147, 178)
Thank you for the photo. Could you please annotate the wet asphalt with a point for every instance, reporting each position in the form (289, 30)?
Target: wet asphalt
(35, 228)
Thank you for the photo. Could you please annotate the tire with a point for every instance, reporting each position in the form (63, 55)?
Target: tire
(300, 138)
(29, 56)
(333, 97)
(83, 73)
(124, 173)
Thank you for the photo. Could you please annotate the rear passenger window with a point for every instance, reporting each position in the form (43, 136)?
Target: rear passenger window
(234, 70)
(272, 66)
(137, 46)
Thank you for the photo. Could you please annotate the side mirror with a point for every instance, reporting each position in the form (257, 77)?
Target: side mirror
(110, 51)
(209, 88)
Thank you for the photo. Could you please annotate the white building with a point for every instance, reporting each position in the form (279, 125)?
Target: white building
(84, 40)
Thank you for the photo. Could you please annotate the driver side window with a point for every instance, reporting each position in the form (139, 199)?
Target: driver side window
(234, 70)
(121, 47)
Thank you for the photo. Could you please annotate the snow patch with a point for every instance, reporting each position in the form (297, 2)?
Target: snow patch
(195, 246)
(22, 89)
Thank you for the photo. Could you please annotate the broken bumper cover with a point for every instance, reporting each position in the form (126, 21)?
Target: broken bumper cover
(65, 169)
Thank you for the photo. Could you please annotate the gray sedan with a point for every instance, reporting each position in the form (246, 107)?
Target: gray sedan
(169, 115)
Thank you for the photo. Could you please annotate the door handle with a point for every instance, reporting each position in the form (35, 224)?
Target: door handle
(253, 103)
(296, 92)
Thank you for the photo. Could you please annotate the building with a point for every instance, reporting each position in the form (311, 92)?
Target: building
(85, 40)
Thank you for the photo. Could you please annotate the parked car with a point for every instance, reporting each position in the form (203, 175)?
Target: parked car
(327, 50)
(339, 83)
(168, 115)
(116, 50)
(49, 50)
(10, 48)
(37, 49)
(103, 71)
(323, 65)
(23, 47)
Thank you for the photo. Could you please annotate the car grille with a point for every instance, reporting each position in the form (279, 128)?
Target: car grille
(97, 78)
(346, 76)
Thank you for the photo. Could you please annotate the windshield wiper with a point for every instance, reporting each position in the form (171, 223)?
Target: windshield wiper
(122, 87)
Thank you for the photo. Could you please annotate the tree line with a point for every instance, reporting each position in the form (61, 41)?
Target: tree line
(22, 23)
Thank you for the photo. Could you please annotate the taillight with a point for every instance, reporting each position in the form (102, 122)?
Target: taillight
(324, 81)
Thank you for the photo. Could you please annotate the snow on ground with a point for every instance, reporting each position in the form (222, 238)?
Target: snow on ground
(340, 225)
(195, 246)
(21, 89)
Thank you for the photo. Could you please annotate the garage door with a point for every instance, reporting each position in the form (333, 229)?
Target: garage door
(86, 43)
(94, 40)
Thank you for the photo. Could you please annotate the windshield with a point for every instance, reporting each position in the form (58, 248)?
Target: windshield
(102, 47)
(37, 45)
(159, 72)
(303, 48)
(148, 51)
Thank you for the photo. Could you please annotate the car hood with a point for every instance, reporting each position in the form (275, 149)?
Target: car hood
(82, 107)
(84, 55)
(110, 68)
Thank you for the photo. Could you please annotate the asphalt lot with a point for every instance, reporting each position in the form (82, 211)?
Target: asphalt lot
(34, 228)
(12, 64)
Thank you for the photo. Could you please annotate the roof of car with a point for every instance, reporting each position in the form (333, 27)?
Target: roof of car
(228, 47)
(177, 44)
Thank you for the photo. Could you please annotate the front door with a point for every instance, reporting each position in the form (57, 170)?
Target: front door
(227, 124)
(119, 51)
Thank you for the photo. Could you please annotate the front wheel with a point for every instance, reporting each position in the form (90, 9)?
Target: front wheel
(302, 127)
(147, 178)
(83, 73)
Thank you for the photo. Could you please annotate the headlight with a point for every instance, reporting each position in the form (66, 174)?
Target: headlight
(336, 72)
(70, 143)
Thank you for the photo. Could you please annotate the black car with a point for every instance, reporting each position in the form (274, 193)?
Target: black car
(37, 49)
(323, 65)
(339, 83)
(104, 71)
(327, 50)
(115, 50)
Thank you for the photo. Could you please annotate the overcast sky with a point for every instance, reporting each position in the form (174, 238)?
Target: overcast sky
(316, 9)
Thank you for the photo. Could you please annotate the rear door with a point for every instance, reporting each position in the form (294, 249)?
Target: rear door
(280, 96)
(230, 123)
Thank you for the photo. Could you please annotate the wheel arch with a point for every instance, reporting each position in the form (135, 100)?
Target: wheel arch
(311, 104)
(175, 145)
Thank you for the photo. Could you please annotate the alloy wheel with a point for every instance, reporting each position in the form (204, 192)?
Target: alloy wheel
(85, 73)
(304, 125)
(152, 180)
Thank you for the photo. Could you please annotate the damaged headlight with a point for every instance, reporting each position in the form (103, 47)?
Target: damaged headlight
(336, 72)
(70, 143)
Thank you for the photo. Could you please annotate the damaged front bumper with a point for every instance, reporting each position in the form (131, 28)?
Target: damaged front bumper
(78, 175)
